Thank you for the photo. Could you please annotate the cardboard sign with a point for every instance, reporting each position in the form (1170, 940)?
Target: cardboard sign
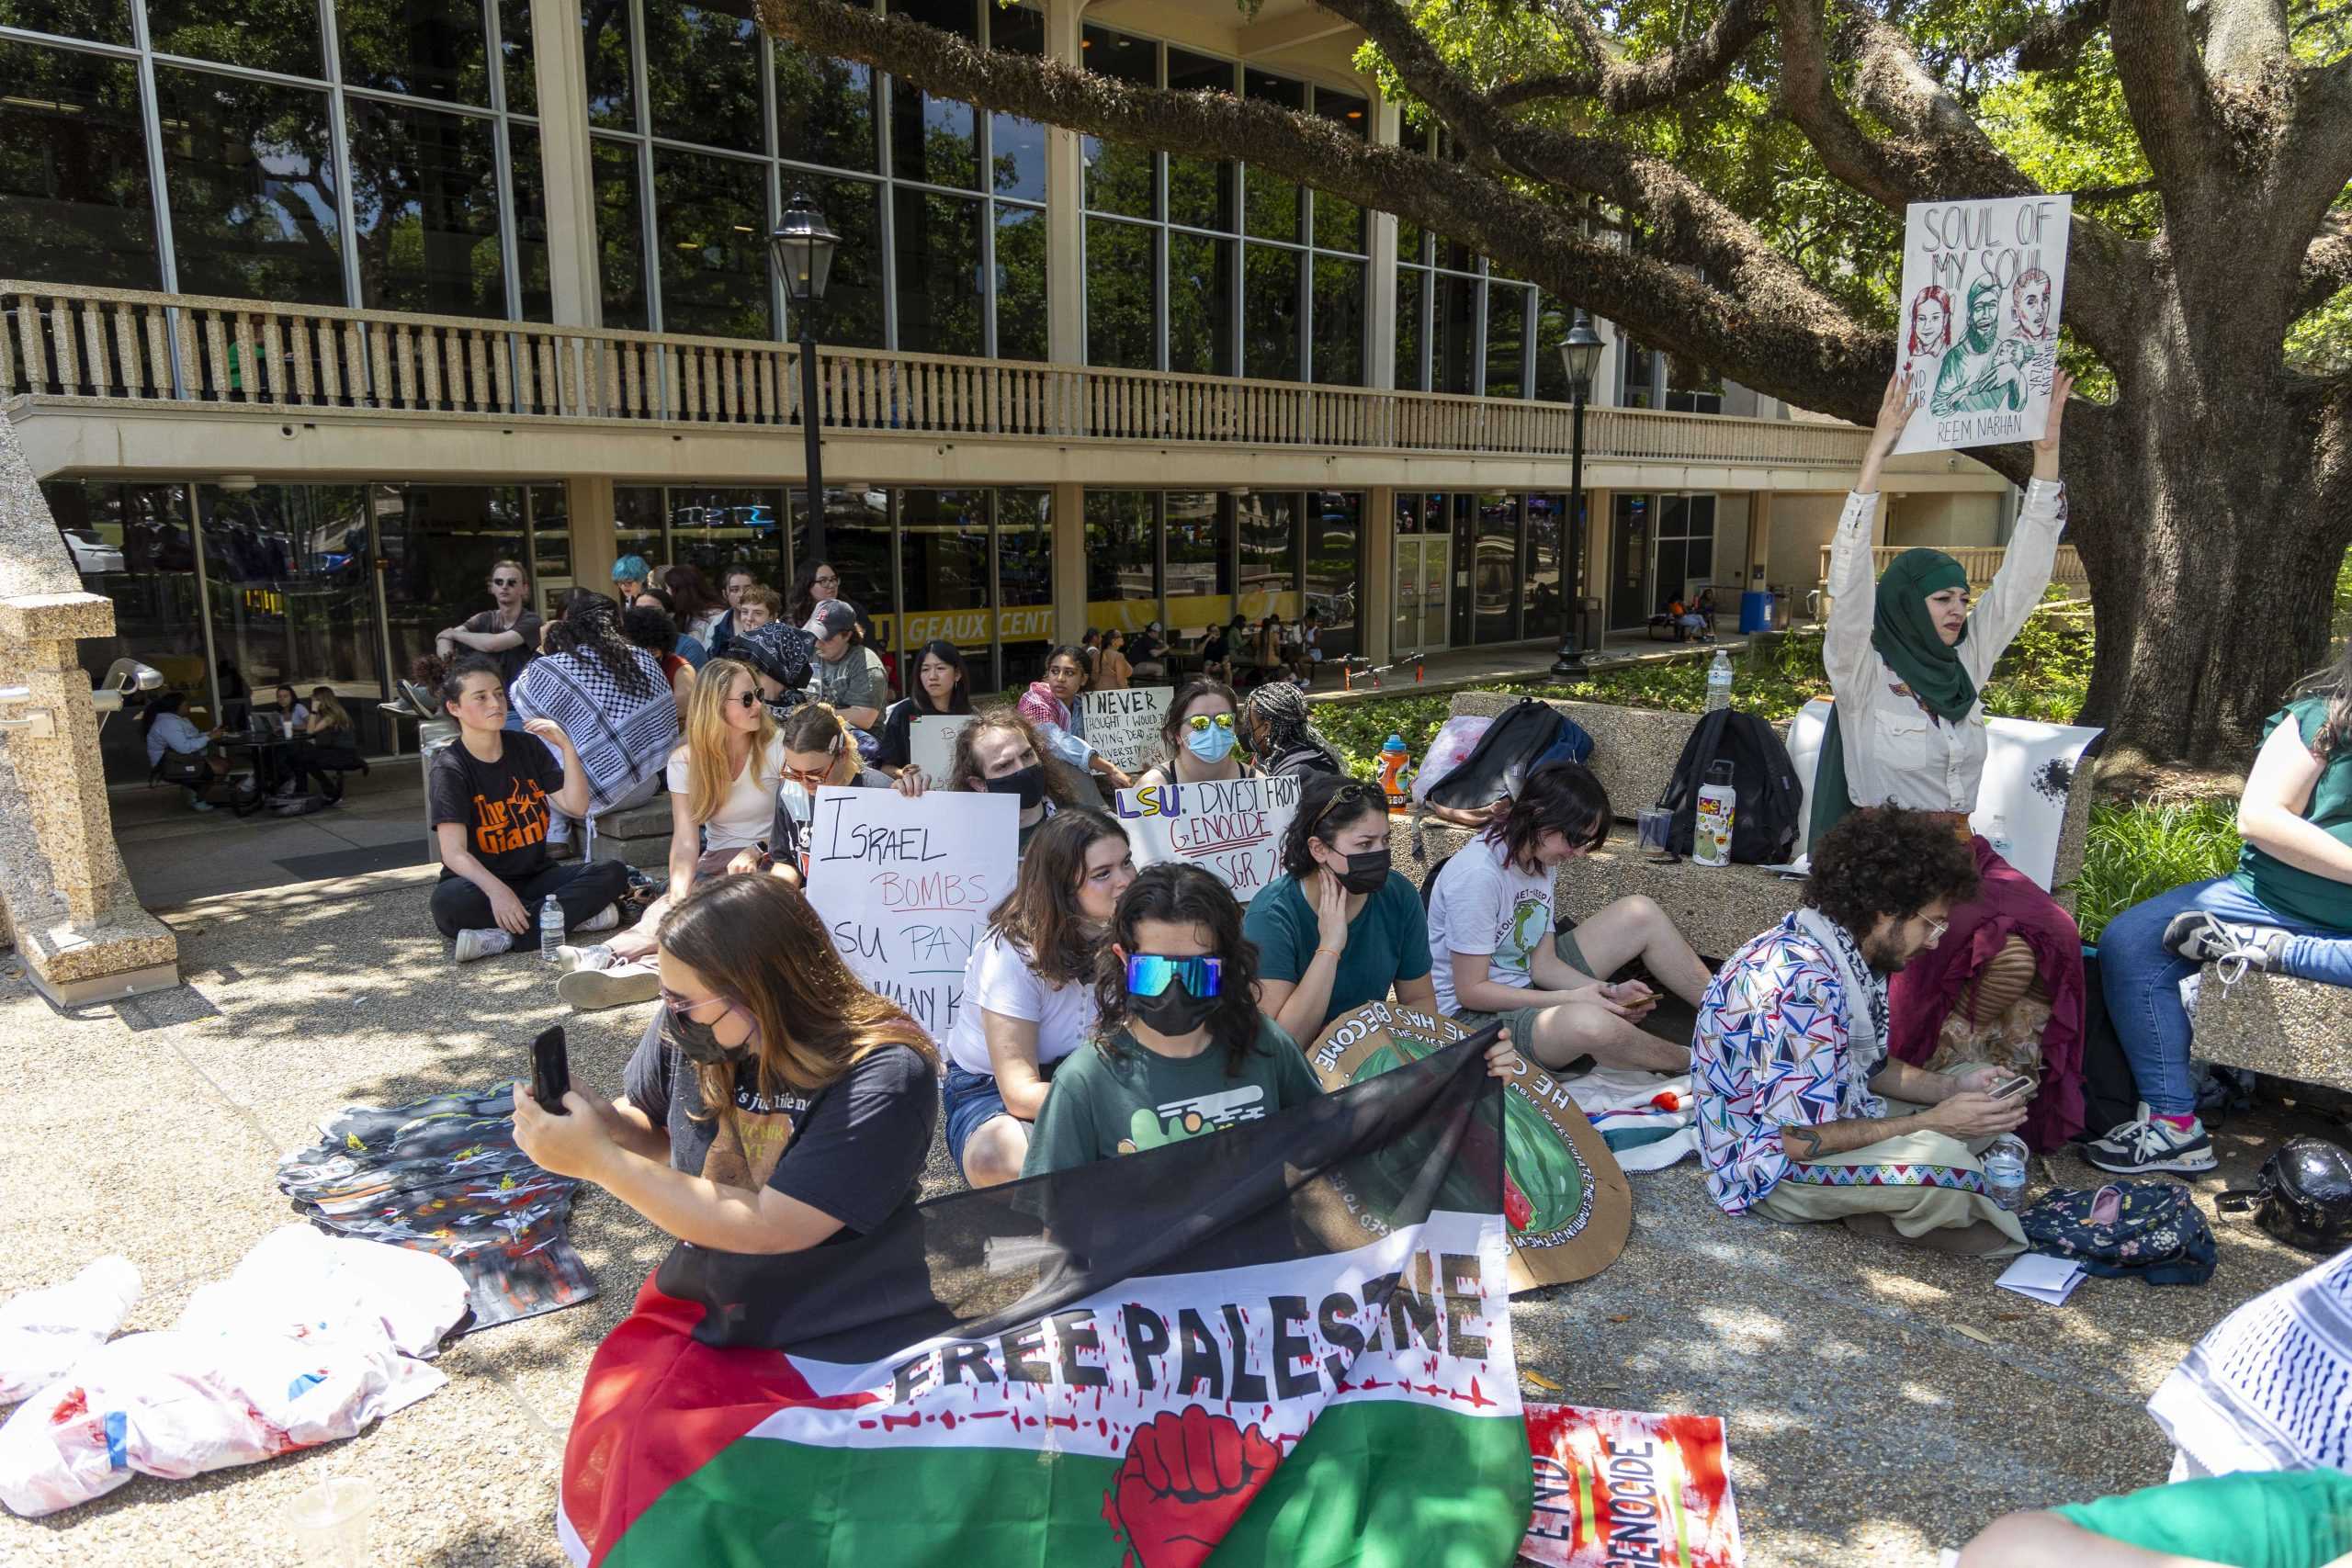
(1233, 828)
(1567, 1207)
(1618, 1486)
(905, 886)
(1124, 725)
(931, 744)
(1982, 284)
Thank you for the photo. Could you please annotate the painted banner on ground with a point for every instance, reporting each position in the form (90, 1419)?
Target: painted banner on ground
(1567, 1207)
(1287, 1342)
(1231, 827)
(1982, 284)
(1124, 725)
(1619, 1486)
(931, 744)
(905, 886)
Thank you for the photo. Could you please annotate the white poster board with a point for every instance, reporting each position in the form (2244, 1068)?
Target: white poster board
(1124, 725)
(905, 887)
(1233, 829)
(1978, 329)
(931, 744)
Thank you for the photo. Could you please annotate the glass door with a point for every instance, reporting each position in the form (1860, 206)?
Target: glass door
(1421, 562)
(1437, 558)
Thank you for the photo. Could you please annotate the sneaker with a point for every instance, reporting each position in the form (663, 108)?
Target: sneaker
(2148, 1144)
(198, 802)
(604, 919)
(592, 989)
(2202, 939)
(569, 958)
(483, 943)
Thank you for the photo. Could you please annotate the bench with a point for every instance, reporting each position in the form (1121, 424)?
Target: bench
(640, 835)
(2298, 1030)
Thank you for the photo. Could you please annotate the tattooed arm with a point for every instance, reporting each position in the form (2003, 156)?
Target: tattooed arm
(1803, 1143)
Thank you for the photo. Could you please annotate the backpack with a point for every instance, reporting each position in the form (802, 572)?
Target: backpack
(1770, 802)
(2146, 1230)
(1525, 736)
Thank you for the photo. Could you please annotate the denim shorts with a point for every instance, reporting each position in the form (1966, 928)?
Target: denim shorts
(973, 1100)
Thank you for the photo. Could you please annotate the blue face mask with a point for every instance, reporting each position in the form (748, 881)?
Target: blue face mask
(1212, 744)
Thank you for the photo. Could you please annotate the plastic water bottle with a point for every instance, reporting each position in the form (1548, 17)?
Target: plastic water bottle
(550, 929)
(1711, 819)
(1719, 680)
(2004, 1172)
(1998, 837)
(1395, 782)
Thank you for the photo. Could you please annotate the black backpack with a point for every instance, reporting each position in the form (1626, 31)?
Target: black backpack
(1525, 736)
(1770, 801)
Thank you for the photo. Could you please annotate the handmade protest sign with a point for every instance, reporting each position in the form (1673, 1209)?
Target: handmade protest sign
(1124, 725)
(1231, 827)
(931, 743)
(905, 886)
(1982, 284)
(1567, 1207)
(1617, 1486)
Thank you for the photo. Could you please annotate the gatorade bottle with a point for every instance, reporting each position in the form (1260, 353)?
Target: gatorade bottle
(1396, 779)
(1712, 822)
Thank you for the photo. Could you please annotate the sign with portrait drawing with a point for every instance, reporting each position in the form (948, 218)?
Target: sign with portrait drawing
(1978, 323)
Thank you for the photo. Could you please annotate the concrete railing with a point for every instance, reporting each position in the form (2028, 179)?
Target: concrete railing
(82, 343)
(1981, 562)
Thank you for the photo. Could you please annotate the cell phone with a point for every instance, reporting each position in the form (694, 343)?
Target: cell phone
(550, 1071)
(2010, 1087)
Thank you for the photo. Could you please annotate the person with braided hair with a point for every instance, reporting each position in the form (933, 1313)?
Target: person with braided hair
(607, 695)
(1284, 742)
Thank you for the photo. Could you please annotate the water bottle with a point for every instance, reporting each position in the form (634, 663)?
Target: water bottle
(550, 929)
(2004, 1162)
(1712, 820)
(1719, 680)
(1998, 835)
(1393, 781)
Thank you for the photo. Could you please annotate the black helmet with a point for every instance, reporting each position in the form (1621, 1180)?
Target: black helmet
(2303, 1196)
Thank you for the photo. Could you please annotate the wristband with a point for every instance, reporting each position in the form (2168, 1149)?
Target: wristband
(1334, 952)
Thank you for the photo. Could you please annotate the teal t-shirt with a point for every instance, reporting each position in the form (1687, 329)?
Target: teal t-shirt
(2292, 1519)
(1387, 942)
(2293, 892)
(1102, 1105)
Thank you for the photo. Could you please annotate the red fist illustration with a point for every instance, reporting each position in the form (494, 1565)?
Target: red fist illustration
(1187, 1478)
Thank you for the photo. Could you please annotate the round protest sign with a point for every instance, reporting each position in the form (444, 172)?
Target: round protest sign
(1566, 1206)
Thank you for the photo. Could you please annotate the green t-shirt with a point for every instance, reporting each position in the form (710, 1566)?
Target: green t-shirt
(1387, 942)
(1099, 1106)
(2297, 894)
(2294, 1518)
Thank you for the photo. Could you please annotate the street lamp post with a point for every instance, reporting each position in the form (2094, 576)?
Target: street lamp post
(1578, 355)
(803, 247)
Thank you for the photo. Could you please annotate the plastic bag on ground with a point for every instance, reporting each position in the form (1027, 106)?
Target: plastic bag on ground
(43, 1333)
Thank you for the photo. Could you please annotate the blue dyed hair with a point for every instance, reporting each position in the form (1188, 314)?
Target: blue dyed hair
(632, 569)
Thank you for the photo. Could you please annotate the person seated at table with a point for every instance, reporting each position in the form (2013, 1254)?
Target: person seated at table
(1802, 1113)
(1112, 670)
(1282, 737)
(1696, 618)
(846, 673)
(819, 751)
(774, 1103)
(1029, 991)
(610, 697)
(1197, 738)
(1308, 651)
(1216, 649)
(1339, 927)
(1498, 951)
(649, 626)
(760, 606)
(942, 686)
(180, 752)
(1053, 705)
(279, 768)
(333, 734)
(2298, 1518)
(508, 631)
(723, 784)
(1146, 653)
(682, 643)
(287, 711)
(999, 752)
(489, 798)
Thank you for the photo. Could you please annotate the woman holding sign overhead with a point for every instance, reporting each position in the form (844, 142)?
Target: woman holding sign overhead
(943, 686)
(1198, 737)
(1001, 753)
(1907, 662)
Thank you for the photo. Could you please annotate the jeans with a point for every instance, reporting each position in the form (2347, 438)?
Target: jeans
(2141, 979)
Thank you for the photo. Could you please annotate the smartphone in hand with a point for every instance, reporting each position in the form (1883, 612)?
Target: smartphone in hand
(2010, 1087)
(550, 1071)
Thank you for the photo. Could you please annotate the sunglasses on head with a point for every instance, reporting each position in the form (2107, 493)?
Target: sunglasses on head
(1202, 721)
(1149, 974)
(1346, 794)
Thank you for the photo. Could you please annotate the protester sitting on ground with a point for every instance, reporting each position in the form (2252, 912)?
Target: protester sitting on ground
(178, 751)
(1790, 1060)
(649, 626)
(1907, 662)
(942, 686)
(845, 672)
(2269, 1387)
(692, 604)
(774, 1103)
(1053, 705)
(2299, 1519)
(1282, 737)
(1146, 653)
(1001, 752)
(1197, 738)
(737, 582)
(1112, 670)
(610, 698)
(820, 749)
(489, 798)
(780, 656)
(631, 576)
(761, 606)
(1499, 951)
(723, 784)
(682, 644)
(2286, 909)
(1339, 927)
(1029, 991)
(508, 631)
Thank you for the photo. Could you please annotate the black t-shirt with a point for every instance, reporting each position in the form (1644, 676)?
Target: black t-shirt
(502, 805)
(510, 660)
(894, 747)
(1215, 650)
(855, 1150)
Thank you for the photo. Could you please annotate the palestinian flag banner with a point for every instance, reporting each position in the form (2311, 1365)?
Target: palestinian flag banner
(1288, 1343)
(1623, 1487)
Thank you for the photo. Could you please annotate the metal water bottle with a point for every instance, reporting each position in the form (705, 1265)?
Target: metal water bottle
(550, 928)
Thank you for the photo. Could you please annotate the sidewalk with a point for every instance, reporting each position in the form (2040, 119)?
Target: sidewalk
(1459, 669)
(175, 854)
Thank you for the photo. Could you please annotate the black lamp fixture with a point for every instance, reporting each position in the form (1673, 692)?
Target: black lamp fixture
(803, 247)
(1579, 356)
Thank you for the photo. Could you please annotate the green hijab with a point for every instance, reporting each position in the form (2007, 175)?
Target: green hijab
(1904, 635)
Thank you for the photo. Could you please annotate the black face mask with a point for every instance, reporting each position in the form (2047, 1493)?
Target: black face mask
(1366, 872)
(698, 1042)
(1174, 1011)
(1028, 783)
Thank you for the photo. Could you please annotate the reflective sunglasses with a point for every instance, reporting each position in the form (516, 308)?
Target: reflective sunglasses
(1346, 794)
(1202, 721)
(1149, 974)
(506, 582)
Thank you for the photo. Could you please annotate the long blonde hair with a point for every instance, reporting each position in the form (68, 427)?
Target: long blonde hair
(709, 776)
(322, 701)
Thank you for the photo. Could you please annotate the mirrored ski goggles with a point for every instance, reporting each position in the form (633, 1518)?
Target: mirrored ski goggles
(1149, 974)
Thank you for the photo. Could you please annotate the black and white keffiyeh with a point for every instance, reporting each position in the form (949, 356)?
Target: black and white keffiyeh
(622, 737)
(2270, 1387)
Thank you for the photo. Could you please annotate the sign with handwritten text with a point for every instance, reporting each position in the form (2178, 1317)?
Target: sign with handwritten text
(905, 887)
(1232, 827)
(931, 744)
(1982, 284)
(1124, 725)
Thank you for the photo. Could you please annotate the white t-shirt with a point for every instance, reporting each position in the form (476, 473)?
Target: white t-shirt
(1483, 905)
(999, 978)
(744, 816)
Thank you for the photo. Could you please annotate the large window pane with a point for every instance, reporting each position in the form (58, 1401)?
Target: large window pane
(156, 619)
(943, 570)
(294, 598)
(1338, 321)
(1200, 305)
(716, 531)
(712, 216)
(1272, 202)
(701, 73)
(1024, 575)
(1339, 223)
(1122, 558)
(620, 233)
(1269, 313)
(75, 205)
(431, 48)
(105, 21)
(1334, 566)
(1020, 283)
(1269, 583)
(551, 548)
(1412, 309)
(1410, 246)
(266, 35)
(1119, 178)
(935, 140)
(1200, 566)
(1506, 338)
(825, 110)
(438, 542)
(1121, 295)
(1692, 388)
(1554, 317)
(939, 273)
(425, 196)
(1495, 569)
(1200, 191)
(1454, 334)
(858, 546)
(612, 100)
(1545, 572)
(252, 186)
(1017, 146)
(639, 514)
(514, 57)
(530, 222)
(852, 315)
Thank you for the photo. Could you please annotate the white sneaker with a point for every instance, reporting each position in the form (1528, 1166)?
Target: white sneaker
(604, 919)
(569, 958)
(198, 802)
(592, 989)
(2146, 1144)
(483, 943)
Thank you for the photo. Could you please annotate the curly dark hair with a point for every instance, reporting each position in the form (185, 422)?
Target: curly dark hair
(1324, 814)
(1561, 797)
(1182, 895)
(1887, 861)
(651, 628)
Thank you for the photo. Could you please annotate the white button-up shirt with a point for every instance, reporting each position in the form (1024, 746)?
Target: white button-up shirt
(1895, 750)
